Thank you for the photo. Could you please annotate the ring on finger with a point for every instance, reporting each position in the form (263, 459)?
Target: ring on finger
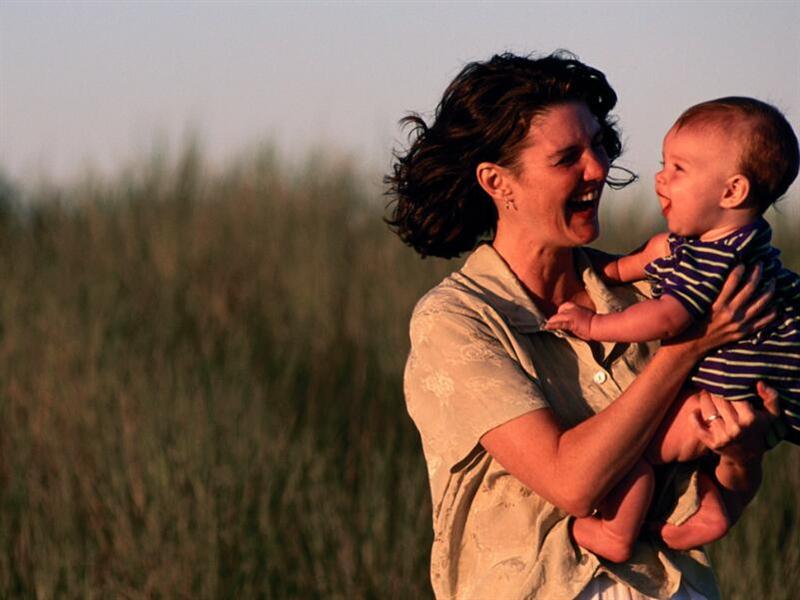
(710, 419)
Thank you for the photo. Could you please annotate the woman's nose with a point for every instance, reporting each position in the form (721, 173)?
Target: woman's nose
(596, 166)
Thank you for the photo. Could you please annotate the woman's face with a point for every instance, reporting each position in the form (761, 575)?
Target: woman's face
(561, 173)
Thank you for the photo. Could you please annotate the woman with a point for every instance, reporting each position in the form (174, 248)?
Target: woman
(523, 428)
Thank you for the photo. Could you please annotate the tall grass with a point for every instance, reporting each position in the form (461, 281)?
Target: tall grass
(201, 394)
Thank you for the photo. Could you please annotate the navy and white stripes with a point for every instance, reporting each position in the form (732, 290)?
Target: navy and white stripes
(694, 273)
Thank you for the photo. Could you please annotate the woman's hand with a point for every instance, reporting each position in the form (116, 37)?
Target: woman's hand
(738, 472)
(735, 430)
(733, 316)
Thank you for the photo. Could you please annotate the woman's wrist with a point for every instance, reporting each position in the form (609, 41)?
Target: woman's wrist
(694, 344)
(683, 351)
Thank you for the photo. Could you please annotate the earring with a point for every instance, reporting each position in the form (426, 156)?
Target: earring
(510, 202)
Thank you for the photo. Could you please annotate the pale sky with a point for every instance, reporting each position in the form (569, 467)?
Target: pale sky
(99, 83)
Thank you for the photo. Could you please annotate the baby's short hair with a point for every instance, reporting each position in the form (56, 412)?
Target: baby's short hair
(769, 150)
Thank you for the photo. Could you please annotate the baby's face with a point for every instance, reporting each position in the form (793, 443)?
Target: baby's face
(697, 163)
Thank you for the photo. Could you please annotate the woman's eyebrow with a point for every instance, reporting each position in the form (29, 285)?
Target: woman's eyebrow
(598, 133)
(564, 151)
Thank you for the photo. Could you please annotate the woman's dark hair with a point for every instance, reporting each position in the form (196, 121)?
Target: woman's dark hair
(438, 206)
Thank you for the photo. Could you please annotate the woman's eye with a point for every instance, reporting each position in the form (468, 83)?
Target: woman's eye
(568, 159)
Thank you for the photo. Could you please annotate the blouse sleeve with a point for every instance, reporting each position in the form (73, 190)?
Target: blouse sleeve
(461, 381)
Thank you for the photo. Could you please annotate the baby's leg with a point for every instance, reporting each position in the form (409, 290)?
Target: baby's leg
(675, 440)
(611, 533)
(707, 525)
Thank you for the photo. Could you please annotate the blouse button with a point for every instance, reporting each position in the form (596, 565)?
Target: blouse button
(600, 377)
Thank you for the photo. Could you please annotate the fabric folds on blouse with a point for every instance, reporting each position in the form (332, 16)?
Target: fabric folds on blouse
(480, 358)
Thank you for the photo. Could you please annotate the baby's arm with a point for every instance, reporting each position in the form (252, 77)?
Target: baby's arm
(631, 266)
(656, 319)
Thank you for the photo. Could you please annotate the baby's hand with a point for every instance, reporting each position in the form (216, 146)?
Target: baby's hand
(573, 318)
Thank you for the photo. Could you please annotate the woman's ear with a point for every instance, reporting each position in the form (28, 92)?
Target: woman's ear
(737, 188)
(495, 180)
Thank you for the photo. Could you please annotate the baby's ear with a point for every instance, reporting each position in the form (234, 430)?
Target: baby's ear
(737, 189)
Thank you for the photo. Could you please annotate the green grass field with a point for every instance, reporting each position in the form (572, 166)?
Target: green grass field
(201, 393)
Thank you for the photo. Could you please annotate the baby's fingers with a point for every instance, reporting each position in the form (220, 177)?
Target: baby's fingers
(566, 307)
(556, 322)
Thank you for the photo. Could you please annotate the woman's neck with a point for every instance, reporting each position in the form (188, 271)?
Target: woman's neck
(548, 274)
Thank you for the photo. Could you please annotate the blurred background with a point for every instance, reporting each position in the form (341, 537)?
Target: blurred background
(203, 319)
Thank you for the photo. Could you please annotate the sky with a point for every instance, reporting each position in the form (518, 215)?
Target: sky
(96, 85)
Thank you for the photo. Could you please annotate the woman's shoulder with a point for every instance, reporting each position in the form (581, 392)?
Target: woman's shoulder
(471, 304)
(450, 304)
(483, 284)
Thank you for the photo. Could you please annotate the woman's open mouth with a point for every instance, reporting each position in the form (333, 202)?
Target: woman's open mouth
(585, 202)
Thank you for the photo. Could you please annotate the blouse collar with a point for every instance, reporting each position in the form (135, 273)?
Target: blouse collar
(504, 292)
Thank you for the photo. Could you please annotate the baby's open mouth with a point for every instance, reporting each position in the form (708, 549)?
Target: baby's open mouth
(665, 203)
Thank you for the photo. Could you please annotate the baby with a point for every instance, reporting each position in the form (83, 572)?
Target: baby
(725, 162)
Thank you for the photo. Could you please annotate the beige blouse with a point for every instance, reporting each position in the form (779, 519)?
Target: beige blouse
(479, 358)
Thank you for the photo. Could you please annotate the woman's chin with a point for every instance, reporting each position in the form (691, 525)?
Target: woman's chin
(585, 232)
(588, 239)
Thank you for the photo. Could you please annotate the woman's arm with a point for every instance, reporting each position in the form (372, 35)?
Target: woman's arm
(575, 468)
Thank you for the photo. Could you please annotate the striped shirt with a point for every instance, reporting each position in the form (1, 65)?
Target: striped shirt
(694, 272)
